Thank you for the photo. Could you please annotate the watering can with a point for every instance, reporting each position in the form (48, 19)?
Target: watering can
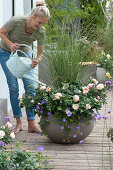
(20, 65)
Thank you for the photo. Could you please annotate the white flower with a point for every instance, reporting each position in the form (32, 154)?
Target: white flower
(12, 135)
(3, 127)
(2, 134)
(94, 81)
(76, 98)
(100, 86)
(9, 125)
(85, 90)
(88, 106)
(75, 106)
(58, 95)
(108, 56)
(42, 87)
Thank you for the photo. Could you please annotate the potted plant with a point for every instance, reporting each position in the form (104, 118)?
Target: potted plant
(67, 113)
(105, 67)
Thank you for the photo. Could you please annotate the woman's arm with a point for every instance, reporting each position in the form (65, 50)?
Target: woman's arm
(3, 36)
(39, 56)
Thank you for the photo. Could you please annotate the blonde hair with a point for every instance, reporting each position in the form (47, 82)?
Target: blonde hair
(41, 10)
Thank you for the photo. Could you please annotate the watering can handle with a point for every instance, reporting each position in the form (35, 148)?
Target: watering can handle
(23, 52)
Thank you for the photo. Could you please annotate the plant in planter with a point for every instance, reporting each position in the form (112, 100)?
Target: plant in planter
(67, 111)
(106, 64)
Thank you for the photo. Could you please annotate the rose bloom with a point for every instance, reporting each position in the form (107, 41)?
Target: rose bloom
(79, 91)
(2, 134)
(90, 85)
(88, 106)
(75, 106)
(95, 81)
(85, 90)
(100, 86)
(98, 97)
(12, 135)
(58, 95)
(76, 98)
(9, 125)
(96, 100)
(48, 89)
(42, 87)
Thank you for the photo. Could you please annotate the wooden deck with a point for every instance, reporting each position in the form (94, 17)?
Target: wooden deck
(96, 153)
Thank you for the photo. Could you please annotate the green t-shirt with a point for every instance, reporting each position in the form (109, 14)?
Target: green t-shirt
(16, 33)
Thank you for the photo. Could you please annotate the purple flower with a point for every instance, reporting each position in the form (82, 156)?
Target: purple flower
(35, 141)
(63, 120)
(77, 127)
(94, 119)
(41, 111)
(37, 107)
(41, 148)
(49, 113)
(74, 135)
(44, 102)
(2, 143)
(39, 134)
(109, 111)
(62, 127)
(105, 117)
(80, 134)
(69, 114)
(99, 117)
(81, 141)
(107, 82)
(67, 110)
(8, 119)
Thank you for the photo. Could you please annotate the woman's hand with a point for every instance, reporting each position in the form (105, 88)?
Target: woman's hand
(36, 61)
(14, 46)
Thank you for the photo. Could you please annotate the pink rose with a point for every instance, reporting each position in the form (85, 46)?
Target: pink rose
(94, 81)
(42, 87)
(75, 106)
(98, 97)
(88, 106)
(48, 89)
(85, 90)
(79, 91)
(96, 100)
(100, 86)
(76, 98)
(58, 95)
(90, 85)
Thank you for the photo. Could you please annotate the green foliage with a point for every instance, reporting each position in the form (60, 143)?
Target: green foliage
(106, 38)
(72, 102)
(22, 159)
(64, 56)
(86, 16)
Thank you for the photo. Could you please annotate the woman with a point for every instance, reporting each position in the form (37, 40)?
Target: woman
(23, 30)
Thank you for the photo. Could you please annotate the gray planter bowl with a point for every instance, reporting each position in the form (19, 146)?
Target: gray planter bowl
(56, 134)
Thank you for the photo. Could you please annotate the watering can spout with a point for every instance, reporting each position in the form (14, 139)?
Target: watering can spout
(27, 76)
